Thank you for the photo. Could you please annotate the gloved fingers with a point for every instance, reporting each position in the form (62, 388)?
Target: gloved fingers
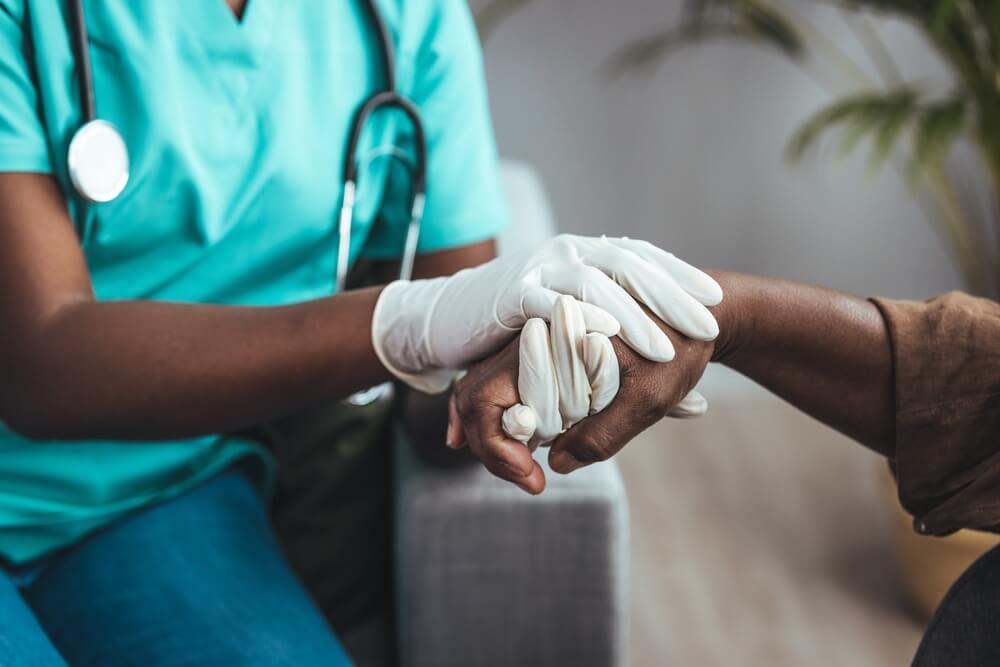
(537, 386)
(650, 284)
(692, 405)
(566, 341)
(602, 371)
(540, 302)
(692, 280)
(590, 285)
(519, 422)
(556, 363)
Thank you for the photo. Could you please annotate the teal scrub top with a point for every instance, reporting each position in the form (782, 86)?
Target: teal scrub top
(237, 131)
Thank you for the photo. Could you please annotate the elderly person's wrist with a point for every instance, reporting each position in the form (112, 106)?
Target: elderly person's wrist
(736, 316)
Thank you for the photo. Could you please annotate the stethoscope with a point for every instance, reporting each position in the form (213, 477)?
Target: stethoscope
(98, 159)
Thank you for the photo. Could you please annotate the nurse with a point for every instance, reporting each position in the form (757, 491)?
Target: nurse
(199, 302)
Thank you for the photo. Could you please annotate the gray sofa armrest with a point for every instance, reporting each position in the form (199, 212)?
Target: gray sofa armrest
(487, 575)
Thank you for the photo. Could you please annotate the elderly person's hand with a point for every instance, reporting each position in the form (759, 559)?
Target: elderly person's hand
(648, 392)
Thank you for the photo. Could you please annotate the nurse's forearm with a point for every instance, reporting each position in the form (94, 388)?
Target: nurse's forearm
(152, 370)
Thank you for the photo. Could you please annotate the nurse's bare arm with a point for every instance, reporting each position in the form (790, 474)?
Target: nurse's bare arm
(825, 352)
(73, 367)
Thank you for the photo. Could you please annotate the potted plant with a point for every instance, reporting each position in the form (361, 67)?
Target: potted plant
(909, 126)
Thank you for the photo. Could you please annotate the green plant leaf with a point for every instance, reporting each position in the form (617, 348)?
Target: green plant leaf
(895, 118)
(881, 115)
(937, 126)
(772, 27)
(942, 15)
(708, 20)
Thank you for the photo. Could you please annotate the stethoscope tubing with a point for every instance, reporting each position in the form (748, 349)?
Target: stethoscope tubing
(81, 54)
(388, 98)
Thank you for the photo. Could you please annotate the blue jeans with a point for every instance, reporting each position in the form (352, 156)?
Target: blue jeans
(198, 580)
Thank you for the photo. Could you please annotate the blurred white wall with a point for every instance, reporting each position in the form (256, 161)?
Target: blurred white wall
(690, 156)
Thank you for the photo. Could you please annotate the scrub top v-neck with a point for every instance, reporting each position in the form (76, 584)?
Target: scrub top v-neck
(236, 130)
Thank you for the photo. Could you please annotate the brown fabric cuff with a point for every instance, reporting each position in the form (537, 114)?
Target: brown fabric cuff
(946, 353)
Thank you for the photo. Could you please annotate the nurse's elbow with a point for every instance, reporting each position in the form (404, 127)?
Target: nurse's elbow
(29, 418)
(28, 424)
(30, 407)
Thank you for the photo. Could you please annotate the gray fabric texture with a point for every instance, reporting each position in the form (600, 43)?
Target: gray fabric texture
(489, 576)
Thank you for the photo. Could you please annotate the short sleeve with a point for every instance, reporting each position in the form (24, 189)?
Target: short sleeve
(465, 201)
(22, 137)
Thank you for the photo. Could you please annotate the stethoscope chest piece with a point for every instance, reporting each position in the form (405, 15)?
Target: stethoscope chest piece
(98, 161)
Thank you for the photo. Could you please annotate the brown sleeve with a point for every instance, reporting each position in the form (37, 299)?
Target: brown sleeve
(946, 353)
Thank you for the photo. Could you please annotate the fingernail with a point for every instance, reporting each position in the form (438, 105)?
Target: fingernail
(525, 489)
(662, 348)
(712, 295)
(713, 329)
(449, 436)
(564, 462)
(708, 327)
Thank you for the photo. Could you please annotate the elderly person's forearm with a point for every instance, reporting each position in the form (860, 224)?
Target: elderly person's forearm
(825, 352)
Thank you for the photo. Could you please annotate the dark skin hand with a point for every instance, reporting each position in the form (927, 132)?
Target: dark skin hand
(824, 352)
(647, 391)
(77, 368)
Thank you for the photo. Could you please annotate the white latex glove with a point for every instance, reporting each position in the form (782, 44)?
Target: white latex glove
(566, 376)
(562, 378)
(424, 330)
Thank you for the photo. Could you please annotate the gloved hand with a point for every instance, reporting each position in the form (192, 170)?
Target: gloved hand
(561, 379)
(567, 376)
(424, 330)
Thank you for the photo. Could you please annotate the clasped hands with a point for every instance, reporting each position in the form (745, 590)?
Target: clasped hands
(614, 334)
(512, 402)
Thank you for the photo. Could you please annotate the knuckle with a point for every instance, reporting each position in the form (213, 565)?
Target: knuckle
(592, 448)
(496, 469)
(463, 383)
(464, 402)
(478, 395)
(652, 410)
(652, 400)
(562, 243)
(593, 273)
